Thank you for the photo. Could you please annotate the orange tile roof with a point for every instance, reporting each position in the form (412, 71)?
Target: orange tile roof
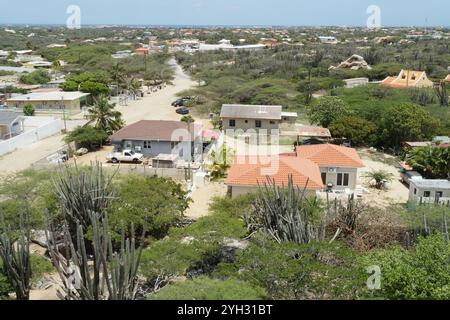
(249, 171)
(331, 155)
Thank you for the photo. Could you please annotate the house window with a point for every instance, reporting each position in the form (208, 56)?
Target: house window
(258, 123)
(246, 121)
(324, 177)
(232, 123)
(415, 191)
(147, 144)
(427, 194)
(439, 194)
(343, 179)
(272, 122)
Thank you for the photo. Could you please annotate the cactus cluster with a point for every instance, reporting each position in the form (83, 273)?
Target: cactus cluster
(15, 256)
(107, 274)
(287, 214)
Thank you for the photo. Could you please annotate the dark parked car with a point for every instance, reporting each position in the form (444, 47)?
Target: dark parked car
(183, 111)
(178, 103)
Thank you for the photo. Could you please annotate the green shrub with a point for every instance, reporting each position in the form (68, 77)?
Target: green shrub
(420, 273)
(39, 267)
(204, 288)
(28, 110)
(159, 200)
(193, 247)
(36, 77)
(292, 271)
(87, 137)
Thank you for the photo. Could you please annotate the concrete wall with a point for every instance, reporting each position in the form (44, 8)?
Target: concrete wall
(247, 124)
(46, 127)
(332, 177)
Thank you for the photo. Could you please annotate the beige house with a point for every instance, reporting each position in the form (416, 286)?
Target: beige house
(429, 190)
(408, 79)
(250, 117)
(50, 101)
(254, 117)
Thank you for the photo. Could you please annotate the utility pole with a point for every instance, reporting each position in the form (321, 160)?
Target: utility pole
(64, 113)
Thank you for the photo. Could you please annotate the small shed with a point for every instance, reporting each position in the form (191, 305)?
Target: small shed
(165, 161)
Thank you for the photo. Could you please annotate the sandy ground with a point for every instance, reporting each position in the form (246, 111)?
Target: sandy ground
(202, 198)
(23, 158)
(397, 192)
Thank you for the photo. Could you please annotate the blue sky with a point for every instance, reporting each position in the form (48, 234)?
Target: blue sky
(228, 12)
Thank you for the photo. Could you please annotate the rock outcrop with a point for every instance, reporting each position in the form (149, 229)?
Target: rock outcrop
(355, 62)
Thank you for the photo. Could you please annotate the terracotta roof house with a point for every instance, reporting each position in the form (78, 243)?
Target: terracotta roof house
(338, 165)
(312, 167)
(247, 173)
(408, 79)
(155, 137)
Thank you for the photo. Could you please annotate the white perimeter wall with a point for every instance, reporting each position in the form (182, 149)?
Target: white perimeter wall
(44, 128)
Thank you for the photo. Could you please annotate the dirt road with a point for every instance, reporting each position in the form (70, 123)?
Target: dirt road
(156, 106)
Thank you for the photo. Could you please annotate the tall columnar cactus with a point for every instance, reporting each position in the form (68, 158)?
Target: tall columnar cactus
(442, 93)
(107, 275)
(82, 191)
(16, 262)
(287, 214)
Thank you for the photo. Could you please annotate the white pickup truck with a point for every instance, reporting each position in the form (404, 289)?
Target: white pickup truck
(125, 156)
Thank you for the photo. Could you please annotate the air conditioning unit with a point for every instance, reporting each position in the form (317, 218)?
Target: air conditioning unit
(332, 170)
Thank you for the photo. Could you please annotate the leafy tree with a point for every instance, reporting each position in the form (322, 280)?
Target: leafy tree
(188, 119)
(87, 137)
(205, 288)
(431, 162)
(420, 273)
(326, 110)
(405, 122)
(93, 83)
(28, 110)
(104, 117)
(357, 129)
(36, 77)
(160, 201)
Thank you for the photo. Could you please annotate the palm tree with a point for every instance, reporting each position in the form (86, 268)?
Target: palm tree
(104, 116)
(380, 177)
(432, 162)
(117, 75)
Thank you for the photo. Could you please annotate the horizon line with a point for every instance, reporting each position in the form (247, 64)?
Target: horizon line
(106, 25)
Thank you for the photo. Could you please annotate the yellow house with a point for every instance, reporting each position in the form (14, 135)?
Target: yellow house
(409, 79)
(51, 101)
